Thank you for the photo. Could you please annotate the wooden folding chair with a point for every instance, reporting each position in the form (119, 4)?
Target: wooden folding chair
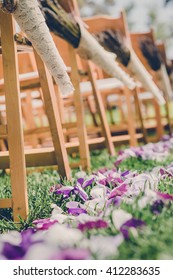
(97, 24)
(72, 6)
(81, 141)
(13, 129)
(160, 122)
(87, 88)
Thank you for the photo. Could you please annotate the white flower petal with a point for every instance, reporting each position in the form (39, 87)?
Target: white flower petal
(63, 236)
(98, 191)
(119, 217)
(13, 237)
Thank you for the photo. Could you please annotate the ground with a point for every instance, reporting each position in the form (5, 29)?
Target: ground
(153, 241)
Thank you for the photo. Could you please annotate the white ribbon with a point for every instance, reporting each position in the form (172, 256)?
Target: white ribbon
(31, 21)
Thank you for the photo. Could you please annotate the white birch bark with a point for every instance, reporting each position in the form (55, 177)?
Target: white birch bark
(90, 49)
(165, 83)
(31, 21)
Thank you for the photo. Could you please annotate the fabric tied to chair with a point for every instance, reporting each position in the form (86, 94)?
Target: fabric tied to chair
(31, 21)
(90, 49)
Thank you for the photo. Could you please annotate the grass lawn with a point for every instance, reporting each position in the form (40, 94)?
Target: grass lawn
(155, 241)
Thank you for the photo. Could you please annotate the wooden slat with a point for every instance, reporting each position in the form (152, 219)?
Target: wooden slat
(25, 83)
(14, 118)
(20, 48)
(6, 203)
(123, 138)
(91, 142)
(34, 158)
(44, 156)
(79, 109)
(76, 164)
(37, 130)
(69, 125)
(3, 131)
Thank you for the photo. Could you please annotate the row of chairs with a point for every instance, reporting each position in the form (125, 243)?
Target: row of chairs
(94, 95)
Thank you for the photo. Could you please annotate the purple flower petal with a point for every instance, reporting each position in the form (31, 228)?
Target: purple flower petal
(83, 195)
(72, 204)
(132, 223)
(88, 183)
(162, 171)
(125, 173)
(165, 196)
(118, 191)
(93, 225)
(114, 201)
(80, 181)
(76, 211)
(157, 207)
(44, 224)
(12, 252)
(116, 181)
(54, 188)
(72, 254)
(64, 191)
(103, 170)
(103, 182)
(165, 138)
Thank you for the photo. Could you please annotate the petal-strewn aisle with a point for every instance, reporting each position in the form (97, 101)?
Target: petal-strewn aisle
(109, 214)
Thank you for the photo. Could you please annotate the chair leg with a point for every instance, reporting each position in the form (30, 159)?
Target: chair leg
(14, 119)
(51, 108)
(101, 112)
(78, 102)
(60, 103)
(138, 108)
(168, 117)
(159, 128)
(130, 121)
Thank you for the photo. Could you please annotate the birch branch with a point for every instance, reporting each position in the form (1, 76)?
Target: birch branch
(31, 21)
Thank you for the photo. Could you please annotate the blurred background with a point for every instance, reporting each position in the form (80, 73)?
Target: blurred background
(141, 15)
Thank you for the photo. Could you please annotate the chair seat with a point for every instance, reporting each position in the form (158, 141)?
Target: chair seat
(31, 77)
(102, 84)
(146, 96)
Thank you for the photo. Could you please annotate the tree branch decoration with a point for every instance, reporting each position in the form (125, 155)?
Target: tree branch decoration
(8, 6)
(67, 27)
(154, 59)
(61, 23)
(31, 21)
(113, 41)
(150, 52)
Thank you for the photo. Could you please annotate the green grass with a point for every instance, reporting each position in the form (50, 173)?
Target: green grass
(38, 196)
(39, 184)
(154, 242)
(144, 165)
